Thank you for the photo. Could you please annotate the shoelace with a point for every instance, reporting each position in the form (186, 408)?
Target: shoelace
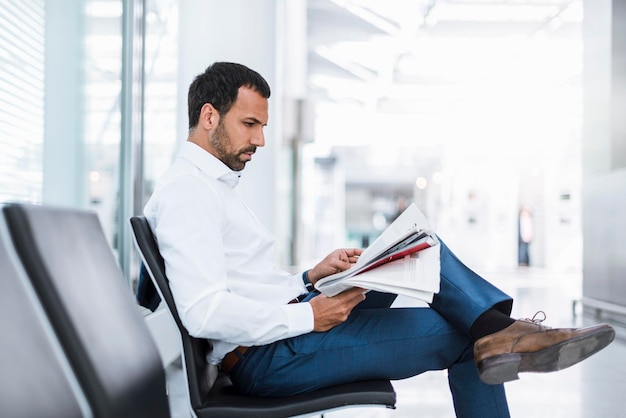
(536, 320)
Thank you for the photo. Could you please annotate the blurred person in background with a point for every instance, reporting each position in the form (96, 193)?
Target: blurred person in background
(525, 235)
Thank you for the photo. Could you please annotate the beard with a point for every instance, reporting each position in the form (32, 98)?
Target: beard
(226, 153)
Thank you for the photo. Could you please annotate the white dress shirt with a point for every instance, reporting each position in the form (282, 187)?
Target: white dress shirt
(220, 259)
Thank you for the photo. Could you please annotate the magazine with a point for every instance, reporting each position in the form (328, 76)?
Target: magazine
(403, 260)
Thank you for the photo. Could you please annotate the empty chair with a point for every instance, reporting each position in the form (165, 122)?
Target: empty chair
(211, 392)
(36, 379)
(91, 309)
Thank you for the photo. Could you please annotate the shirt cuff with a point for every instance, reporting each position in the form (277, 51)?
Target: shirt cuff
(299, 318)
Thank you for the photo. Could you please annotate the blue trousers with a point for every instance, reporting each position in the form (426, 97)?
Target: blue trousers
(379, 342)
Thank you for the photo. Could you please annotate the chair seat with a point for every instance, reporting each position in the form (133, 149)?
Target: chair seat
(224, 401)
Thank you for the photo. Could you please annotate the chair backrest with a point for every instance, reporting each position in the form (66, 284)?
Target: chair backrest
(36, 379)
(91, 309)
(200, 374)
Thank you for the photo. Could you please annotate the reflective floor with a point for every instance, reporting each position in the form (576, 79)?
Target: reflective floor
(591, 389)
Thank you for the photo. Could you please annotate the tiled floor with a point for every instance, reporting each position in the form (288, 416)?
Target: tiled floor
(591, 389)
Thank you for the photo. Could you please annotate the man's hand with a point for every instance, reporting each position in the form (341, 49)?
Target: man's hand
(338, 260)
(330, 312)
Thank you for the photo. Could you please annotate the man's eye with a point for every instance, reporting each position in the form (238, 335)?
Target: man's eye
(249, 124)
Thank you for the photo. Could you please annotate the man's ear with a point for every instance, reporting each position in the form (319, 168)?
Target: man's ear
(209, 117)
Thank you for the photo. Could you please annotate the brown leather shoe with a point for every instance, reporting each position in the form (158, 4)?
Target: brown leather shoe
(528, 346)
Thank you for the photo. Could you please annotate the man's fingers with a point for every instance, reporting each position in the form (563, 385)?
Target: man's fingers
(353, 294)
(330, 312)
(352, 252)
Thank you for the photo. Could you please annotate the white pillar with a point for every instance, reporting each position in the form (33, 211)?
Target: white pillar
(63, 155)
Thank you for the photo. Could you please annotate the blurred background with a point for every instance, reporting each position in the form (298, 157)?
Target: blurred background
(470, 109)
(501, 119)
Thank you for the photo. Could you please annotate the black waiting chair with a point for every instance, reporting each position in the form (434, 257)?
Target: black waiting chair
(36, 380)
(210, 390)
(90, 307)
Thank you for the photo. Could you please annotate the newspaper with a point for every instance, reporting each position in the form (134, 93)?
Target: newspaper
(403, 260)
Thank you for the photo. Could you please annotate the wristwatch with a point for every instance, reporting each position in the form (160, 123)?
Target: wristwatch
(307, 283)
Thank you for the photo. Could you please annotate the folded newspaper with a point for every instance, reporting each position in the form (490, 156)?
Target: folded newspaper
(403, 260)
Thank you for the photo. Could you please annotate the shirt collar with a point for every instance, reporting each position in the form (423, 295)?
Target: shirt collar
(230, 179)
(209, 164)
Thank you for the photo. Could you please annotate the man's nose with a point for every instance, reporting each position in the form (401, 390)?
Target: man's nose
(258, 139)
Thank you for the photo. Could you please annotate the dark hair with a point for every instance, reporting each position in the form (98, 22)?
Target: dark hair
(219, 85)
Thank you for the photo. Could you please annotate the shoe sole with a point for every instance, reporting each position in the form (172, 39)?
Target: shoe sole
(506, 367)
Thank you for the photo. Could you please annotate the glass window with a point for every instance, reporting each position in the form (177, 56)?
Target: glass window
(86, 52)
(21, 100)
(102, 118)
(160, 92)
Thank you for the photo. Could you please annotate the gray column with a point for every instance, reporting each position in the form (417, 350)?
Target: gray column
(618, 86)
(604, 155)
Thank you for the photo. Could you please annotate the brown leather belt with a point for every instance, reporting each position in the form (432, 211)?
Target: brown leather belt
(230, 359)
